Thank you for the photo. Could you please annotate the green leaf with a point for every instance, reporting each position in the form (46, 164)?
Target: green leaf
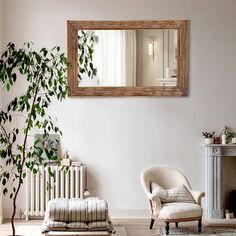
(43, 113)
(8, 87)
(3, 154)
(14, 138)
(5, 191)
(38, 58)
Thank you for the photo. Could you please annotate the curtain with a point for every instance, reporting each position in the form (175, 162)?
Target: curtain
(130, 57)
(115, 57)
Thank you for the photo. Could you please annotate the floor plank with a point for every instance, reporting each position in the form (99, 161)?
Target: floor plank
(133, 227)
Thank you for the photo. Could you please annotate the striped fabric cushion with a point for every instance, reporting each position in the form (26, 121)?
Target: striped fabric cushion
(77, 215)
(177, 194)
(74, 226)
(97, 210)
(98, 226)
(58, 210)
(77, 210)
(54, 226)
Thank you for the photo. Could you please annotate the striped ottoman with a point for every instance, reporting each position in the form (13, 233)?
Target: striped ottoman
(81, 216)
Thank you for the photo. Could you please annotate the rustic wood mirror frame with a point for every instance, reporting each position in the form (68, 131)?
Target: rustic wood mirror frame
(182, 72)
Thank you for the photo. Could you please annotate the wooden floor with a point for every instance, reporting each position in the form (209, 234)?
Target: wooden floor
(132, 227)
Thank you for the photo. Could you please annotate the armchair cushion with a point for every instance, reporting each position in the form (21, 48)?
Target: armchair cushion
(176, 194)
(180, 210)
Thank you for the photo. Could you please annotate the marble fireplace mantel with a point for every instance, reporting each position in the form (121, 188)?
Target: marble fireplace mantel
(214, 154)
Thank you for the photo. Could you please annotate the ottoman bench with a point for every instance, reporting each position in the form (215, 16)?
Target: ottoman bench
(77, 217)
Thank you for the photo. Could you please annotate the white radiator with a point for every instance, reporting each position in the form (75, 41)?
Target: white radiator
(62, 185)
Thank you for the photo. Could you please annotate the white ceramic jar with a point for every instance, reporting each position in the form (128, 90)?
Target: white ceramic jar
(208, 140)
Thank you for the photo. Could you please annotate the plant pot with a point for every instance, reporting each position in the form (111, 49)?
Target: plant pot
(208, 140)
(233, 140)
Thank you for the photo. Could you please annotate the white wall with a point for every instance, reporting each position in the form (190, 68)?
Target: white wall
(0, 99)
(0, 45)
(118, 137)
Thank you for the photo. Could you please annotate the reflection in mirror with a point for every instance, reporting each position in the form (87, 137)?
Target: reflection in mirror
(139, 57)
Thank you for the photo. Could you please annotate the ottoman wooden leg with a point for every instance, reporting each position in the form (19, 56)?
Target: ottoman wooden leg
(167, 227)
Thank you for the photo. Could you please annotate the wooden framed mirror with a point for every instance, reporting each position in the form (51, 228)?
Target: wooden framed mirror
(128, 58)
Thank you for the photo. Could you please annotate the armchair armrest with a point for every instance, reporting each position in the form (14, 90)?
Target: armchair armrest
(155, 203)
(197, 196)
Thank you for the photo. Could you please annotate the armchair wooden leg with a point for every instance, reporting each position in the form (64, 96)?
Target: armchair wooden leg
(151, 223)
(176, 224)
(167, 227)
(199, 226)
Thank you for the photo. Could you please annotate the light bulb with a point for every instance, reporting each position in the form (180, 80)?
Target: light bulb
(150, 49)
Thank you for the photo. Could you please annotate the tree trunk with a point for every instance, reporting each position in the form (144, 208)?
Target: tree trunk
(13, 217)
(22, 166)
(14, 205)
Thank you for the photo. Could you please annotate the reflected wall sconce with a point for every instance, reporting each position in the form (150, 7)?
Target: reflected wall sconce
(151, 45)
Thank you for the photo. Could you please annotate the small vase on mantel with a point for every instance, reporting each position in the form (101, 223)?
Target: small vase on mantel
(223, 135)
(223, 139)
(208, 137)
(208, 141)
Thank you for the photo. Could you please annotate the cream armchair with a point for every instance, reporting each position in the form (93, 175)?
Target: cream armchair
(175, 211)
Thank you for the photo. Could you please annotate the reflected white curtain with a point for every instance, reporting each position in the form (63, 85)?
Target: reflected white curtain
(130, 57)
(115, 57)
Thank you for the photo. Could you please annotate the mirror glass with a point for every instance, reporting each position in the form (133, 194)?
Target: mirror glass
(136, 57)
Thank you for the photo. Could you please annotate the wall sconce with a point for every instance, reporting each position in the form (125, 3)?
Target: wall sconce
(151, 48)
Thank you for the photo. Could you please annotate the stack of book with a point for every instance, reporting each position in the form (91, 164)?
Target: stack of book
(76, 163)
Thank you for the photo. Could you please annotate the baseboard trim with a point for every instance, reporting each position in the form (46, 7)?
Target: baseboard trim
(220, 222)
(122, 213)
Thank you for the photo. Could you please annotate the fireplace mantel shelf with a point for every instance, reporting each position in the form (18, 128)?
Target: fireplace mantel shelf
(219, 145)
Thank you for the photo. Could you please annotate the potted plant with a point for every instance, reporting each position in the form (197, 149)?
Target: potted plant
(229, 135)
(44, 73)
(208, 137)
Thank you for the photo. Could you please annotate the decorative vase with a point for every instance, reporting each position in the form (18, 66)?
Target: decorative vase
(208, 140)
(223, 139)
